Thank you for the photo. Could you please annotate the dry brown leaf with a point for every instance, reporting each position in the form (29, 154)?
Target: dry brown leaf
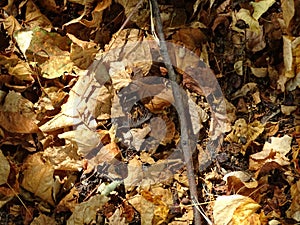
(256, 41)
(14, 122)
(272, 156)
(135, 174)
(106, 154)
(130, 51)
(259, 72)
(4, 169)
(288, 11)
(43, 219)
(288, 57)
(247, 186)
(244, 133)
(159, 104)
(141, 16)
(162, 129)
(11, 25)
(96, 14)
(84, 139)
(64, 157)
(287, 110)
(294, 209)
(17, 115)
(83, 56)
(69, 202)
(22, 71)
(144, 207)
(244, 14)
(86, 212)
(81, 105)
(34, 17)
(117, 218)
(38, 177)
(244, 90)
(234, 210)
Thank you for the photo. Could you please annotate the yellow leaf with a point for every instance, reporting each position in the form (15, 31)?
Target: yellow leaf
(244, 15)
(261, 7)
(288, 10)
(234, 209)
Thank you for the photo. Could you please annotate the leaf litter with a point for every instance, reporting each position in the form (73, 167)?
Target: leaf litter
(71, 155)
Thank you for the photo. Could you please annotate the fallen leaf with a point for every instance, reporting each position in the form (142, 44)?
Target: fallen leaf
(144, 207)
(261, 7)
(294, 209)
(288, 11)
(38, 177)
(34, 17)
(244, 133)
(244, 14)
(5, 169)
(85, 140)
(235, 209)
(86, 212)
(43, 219)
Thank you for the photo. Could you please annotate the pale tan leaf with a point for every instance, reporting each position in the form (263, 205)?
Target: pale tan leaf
(288, 11)
(288, 57)
(244, 90)
(144, 207)
(261, 7)
(294, 209)
(22, 71)
(43, 219)
(85, 140)
(287, 110)
(11, 25)
(244, 14)
(34, 17)
(4, 169)
(38, 177)
(281, 145)
(64, 157)
(238, 67)
(86, 212)
(230, 209)
(259, 72)
(16, 123)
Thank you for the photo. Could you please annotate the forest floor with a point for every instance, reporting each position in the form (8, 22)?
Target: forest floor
(91, 133)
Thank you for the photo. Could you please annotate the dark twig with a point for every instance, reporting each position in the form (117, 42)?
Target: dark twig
(185, 119)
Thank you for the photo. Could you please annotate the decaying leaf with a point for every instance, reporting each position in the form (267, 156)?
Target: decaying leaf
(64, 157)
(153, 205)
(17, 115)
(244, 14)
(34, 17)
(294, 209)
(84, 139)
(162, 129)
(288, 11)
(5, 169)
(11, 25)
(244, 133)
(261, 7)
(85, 212)
(43, 219)
(272, 156)
(236, 209)
(38, 178)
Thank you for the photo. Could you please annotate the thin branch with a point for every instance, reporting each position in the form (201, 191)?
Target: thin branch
(184, 116)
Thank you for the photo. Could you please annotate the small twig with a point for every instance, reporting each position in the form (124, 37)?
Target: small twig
(185, 119)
